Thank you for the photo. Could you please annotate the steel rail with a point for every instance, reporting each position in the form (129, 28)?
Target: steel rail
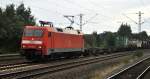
(9, 56)
(143, 73)
(58, 67)
(125, 69)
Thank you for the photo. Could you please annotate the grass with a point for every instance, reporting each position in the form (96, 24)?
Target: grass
(138, 53)
(97, 70)
(101, 74)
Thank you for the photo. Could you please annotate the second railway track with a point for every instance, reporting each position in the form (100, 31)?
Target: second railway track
(40, 69)
(9, 56)
(10, 59)
(145, 74)
(135, 71)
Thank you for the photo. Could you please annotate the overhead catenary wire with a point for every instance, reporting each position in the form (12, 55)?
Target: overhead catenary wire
(139, 23)
(87, 9)
(77, 6)
(129, 18)
(46, 10)
(101, 7)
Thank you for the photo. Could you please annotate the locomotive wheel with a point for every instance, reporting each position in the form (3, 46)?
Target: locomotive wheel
(31, 58)
(35, 58)
(54, 56)
(85, 54)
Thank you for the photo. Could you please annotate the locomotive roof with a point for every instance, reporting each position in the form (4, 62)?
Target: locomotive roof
(55, 29)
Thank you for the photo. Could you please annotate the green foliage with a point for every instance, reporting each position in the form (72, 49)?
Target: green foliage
(103, 40)
(123, 34)
(143, 36)
(138, 54)
(96, 41)
(124, 30)
(12, 21)
(108, 39)
(88, 40)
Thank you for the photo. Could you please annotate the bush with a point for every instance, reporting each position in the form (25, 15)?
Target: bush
(138, 54)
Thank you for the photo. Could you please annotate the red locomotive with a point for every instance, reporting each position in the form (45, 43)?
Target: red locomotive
(49, 42)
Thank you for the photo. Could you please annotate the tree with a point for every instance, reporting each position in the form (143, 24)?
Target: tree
(108, 39)
(95, 39)
(92, 40)
(140, 36)
(25, 15)
(88, 40)
(124, 30)
(12, 21)
(143, 36)
(124, 33)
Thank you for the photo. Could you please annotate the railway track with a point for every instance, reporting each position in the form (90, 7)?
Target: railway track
(135, 71)
(9, 56)
(13, 66)
(9, 59)
(40, 69)
(145, 74)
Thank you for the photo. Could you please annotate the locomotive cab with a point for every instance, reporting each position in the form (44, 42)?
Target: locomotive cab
(33, 41)
(32, 37)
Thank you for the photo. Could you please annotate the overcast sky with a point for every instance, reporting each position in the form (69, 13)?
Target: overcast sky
(110, 13)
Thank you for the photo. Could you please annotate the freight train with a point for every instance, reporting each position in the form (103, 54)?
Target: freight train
(49, 42)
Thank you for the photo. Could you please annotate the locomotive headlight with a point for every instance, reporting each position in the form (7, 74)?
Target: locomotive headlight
(23, 46)
(40, 47)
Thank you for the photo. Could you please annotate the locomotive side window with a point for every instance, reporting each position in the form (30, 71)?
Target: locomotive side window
(49, 34)
(30, 32)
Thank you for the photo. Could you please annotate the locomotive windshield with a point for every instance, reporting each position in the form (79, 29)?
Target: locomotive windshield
(31, 32)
